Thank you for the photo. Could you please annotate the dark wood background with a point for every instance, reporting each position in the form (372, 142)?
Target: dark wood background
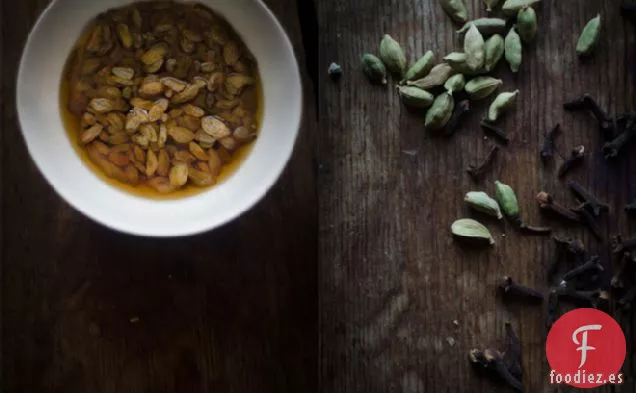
(233, 310)
(391, 279)
(344, 278)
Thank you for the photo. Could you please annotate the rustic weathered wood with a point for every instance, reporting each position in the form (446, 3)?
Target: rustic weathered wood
(391, 279)
(85, 309)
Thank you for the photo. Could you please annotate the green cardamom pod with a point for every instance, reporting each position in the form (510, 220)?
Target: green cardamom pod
(455, 83)
(455, 58)
(421, 67)
(512, 7)
(486, 26)
(503, 102)
(480, 201)
(374, 69)
(507, 200)
(512, 49)
(471, 230)
(482, 86)
(494, 52)
(392, 55)
(474, 47)
(589, 37)
(527, 24)
(461, 67)
(438, 75)
(415, 97)
(456, 9)
(490, 4)
(440, 112)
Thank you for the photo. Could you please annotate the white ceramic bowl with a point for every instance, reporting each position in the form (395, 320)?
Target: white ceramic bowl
(45, 53)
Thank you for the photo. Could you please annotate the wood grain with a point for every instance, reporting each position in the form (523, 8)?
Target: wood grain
(85, 309)
(392, 281)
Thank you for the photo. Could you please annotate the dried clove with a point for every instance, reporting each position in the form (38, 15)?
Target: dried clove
(557, 257)
(620, 246)
(514, 290)
(603, 298)
(613, 148)
(593, 281)
(512, 356)
(575, 247)
(496, 363)
(548, 146)
(589, 219)
(629, 12)
(631, 208)
(625, 302)
(623, 119)
(547, 203)
(334, 71)
(605, 122)
(478, 359)
(577, 104)
(592, 264)
(586, 297)
(564, 247)
(618, 278)
(478, 171)
(494, 131)
(616, 242)
(576, 158)
(584, 196)
(534, 230)
(492, 361)
(586, 102)
(461, 109)
(553, 309)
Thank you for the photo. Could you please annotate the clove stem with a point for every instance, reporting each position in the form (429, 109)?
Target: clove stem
(620, 246)
(479, 170)
(586, 102)
(576, 158)
(605, 123)
(495, 360)
(627, 299)
(548, 146)
(613, 148)
(461, 109)
(617, 279)
(564, 247)
(557, 256)
(584, 196)
(547, 203)
(553, 309)
(512, 356)
(591, 297)
(509, 287)
(534, 230)
(494, 131)
(576, 104)
(592, 263)
(589, 219)
(575, 247)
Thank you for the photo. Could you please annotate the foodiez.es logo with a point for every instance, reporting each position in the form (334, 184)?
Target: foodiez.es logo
(586, 349)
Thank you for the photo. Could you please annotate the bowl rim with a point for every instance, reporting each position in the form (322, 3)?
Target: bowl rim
(260, 190)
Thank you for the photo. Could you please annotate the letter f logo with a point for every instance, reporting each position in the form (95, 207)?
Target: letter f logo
(584, 347)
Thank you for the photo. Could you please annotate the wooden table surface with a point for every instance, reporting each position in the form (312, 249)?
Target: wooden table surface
(344, 278)
(391, 279)
(233, 310)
